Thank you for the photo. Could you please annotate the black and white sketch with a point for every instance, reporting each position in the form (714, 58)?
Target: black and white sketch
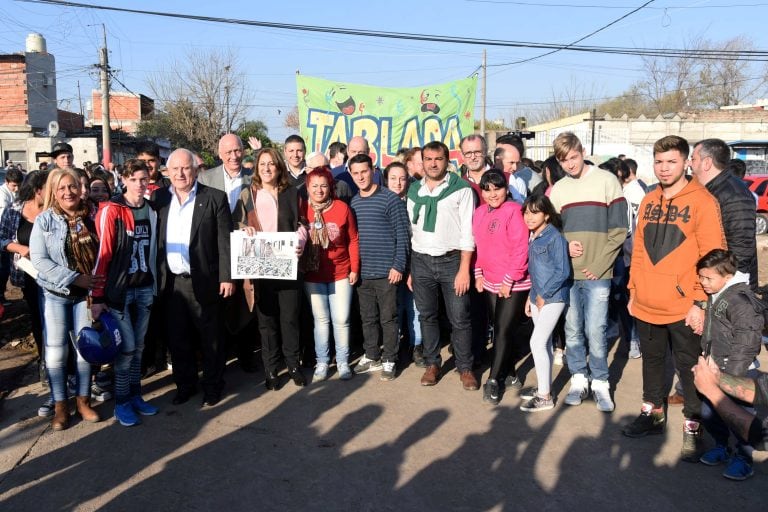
(264, 256)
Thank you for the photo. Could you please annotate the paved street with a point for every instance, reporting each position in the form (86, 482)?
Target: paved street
(359, 445)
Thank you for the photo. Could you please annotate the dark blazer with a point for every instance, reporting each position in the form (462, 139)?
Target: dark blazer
(208, 242)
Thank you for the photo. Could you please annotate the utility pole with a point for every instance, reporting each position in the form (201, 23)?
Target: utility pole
(103, 66)
(482, 97)
(592, 119)
(79, 98)
(228, 123)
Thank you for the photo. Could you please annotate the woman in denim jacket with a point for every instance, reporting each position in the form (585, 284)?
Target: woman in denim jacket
(550, 270)
(63, 248)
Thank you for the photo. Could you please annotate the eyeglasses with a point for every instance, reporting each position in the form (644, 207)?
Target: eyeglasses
(472, 154)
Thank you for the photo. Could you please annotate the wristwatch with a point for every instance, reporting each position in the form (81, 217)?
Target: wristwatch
(702, 304)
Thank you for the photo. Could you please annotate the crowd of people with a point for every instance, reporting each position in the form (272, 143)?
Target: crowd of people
(502, 256)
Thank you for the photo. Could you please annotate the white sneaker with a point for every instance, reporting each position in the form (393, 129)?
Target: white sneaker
(634, 350)
(47, 409)
(578, 391)
(601, 392)
(344, 372)
(321, 371)
(557, 360)
(365, 365)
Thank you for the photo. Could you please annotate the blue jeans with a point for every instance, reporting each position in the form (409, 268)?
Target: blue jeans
(716, 426)
(133, 321)
(430, 275)
(719, 430)
(331, 302)
(60, 316)
(407, 312)
(586, 320)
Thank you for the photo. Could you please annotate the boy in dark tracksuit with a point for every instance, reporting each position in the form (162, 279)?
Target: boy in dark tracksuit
(732, 336)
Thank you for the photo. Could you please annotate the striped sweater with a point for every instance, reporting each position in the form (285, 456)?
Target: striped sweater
(594, 212)
(384, 232)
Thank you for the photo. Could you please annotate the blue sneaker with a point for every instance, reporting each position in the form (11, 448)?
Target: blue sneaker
(738, 468)
(142, 407)
(715, 456)
(125, 414)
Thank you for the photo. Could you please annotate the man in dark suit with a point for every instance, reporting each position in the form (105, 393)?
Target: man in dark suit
(230, 177)
(193, 225)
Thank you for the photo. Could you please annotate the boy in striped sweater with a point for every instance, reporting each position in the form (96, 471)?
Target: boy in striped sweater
(594, 214)
(382, 224)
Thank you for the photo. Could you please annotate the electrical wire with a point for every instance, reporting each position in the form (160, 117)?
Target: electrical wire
(529, 59)
(592, 6)
(738, 55)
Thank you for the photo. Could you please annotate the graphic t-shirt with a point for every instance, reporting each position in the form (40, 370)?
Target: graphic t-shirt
(139, 271)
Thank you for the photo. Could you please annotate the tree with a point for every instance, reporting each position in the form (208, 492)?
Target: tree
(198, 100)
(728, 82)
(690, 82)
(292, 119)
(256, 129)
(670, 85)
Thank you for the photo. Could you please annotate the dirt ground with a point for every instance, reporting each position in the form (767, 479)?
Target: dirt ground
(17, 347)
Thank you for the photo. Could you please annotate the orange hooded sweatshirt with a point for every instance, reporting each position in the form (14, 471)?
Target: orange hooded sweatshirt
(670, 238)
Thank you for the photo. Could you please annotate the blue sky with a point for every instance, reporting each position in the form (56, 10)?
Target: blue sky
(141, 45)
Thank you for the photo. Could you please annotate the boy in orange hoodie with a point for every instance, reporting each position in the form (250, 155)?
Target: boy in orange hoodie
(678, 223)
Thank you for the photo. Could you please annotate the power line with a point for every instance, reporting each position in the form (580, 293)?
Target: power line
(626, 94)
(739, 55)
(529, 59)
(592, 6)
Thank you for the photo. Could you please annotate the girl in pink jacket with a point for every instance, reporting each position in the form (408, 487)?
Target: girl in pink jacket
(501, 271)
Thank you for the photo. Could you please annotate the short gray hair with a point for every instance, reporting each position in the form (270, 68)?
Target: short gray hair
(184, 151)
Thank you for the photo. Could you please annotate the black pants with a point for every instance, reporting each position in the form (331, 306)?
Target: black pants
(478, 311)
(686, 347)
(378, 312)
(156, 340)
(5, 271)
(507, 314)
(185, 313)
(278, 314)
(32, 297)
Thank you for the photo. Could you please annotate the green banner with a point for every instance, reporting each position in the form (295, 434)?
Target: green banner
(388, 118)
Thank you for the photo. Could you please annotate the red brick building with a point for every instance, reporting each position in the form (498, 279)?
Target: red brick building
(126, 110)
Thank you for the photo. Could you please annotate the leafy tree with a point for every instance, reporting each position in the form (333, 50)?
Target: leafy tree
(257, 129)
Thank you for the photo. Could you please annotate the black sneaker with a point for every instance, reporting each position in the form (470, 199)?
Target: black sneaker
(513, 382)
(491, 392)
(650, 421)
(418, 357)
(693, 444)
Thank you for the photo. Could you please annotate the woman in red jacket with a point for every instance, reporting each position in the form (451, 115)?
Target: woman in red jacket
(334, 263)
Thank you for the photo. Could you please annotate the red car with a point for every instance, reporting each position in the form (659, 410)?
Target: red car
(758, 184)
